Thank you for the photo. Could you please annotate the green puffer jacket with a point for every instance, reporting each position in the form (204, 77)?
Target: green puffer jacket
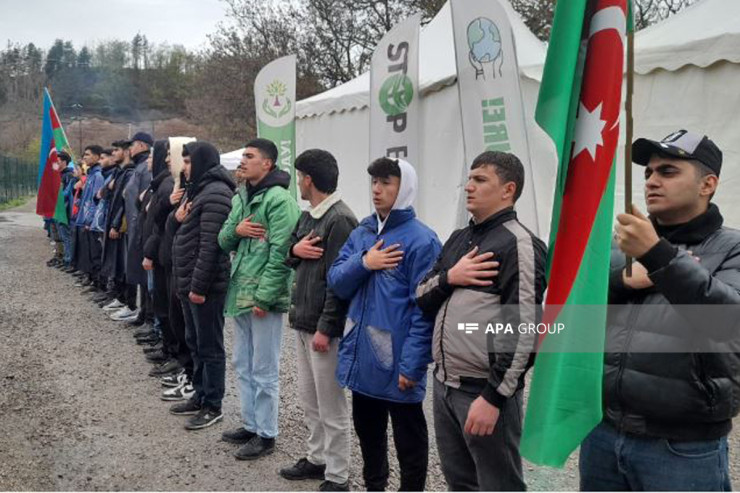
(259, 276)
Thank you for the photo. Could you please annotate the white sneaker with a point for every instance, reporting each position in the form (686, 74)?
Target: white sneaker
(124, 314)
(181, 393)
(114, 305)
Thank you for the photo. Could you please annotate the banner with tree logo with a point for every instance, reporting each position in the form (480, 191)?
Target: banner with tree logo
(274, 100)
(394, 94)
(491, 104)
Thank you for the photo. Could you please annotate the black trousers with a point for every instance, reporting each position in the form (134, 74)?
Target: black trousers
(96, 256)
(204, 332)
(177, 326)
(410, 435)
(161, 303)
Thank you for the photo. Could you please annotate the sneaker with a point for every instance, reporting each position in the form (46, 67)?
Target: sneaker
(154, 348)
(303, 469)
(181, 393)
(191, 406)
(205, 418)
(167, 367)
(174, 379)
(332, 486)
(144, 333)
(113, 305)
(125, 314)
(256, 448)
(136, 323)
(70, 270)
(100, 297)
(157, 357)
(239, 436)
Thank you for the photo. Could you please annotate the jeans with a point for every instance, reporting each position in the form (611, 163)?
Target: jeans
(473, 463)
(204, 332)
(616, 461)
(257, 362)
(410, 435)
(157, 325)
(66, 235)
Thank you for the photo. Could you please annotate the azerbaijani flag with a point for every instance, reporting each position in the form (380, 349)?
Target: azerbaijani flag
(578, 106)
(50, 199)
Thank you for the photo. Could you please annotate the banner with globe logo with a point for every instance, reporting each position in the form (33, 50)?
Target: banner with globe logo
(274, 101)
(491, 104)
(394, 93)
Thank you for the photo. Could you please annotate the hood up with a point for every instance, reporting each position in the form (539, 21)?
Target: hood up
(159, 156)
(406, 191)
(176, 162)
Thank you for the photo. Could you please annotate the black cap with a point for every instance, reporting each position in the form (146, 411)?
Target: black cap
(142, 137)
(681, 145)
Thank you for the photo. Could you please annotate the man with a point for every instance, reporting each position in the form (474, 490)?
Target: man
(492, 271)
(114, 264)
(141, 144)
(67, 173)
(319, 317)
(385, 350)
(98, 223)
(667, 411)
(90, 248)
(262, 218)
(202, 277)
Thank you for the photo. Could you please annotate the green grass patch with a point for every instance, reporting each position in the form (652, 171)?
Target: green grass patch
(14, 203)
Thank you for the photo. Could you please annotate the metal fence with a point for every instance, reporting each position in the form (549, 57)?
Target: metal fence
(17, 178)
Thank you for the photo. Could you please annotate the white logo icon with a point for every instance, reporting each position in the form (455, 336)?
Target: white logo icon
(468, 328)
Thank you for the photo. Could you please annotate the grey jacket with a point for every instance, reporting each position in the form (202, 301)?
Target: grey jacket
(673, 371)
(139, 181)
(313, 305)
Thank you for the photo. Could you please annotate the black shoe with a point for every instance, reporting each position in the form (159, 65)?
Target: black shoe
(303, 469)
(69, 269)
(100, 297)
(332, 486)
(157, 357)
(151, 340)
(256, 448)
(86, 283)
(52, 262)
(191, 406)
(239, 436)
(169, 366)
(153, 349)
(135, 323)
(92, 288)
(205, 418)
(144, 333)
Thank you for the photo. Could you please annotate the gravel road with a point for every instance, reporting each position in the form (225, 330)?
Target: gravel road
(80, 412)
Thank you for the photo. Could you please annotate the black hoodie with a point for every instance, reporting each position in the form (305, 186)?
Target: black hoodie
(152, 204)
(199, 264)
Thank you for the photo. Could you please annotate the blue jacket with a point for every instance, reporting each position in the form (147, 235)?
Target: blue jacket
(98, 223)
(385, 333)
(87, 203)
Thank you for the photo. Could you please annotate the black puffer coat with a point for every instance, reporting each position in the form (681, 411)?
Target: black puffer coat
(199, 263)
(673, 371)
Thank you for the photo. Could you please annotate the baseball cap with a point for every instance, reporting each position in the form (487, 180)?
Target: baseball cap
(142, 137)
(681, 145)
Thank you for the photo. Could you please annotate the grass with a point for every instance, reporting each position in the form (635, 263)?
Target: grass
(14, 203)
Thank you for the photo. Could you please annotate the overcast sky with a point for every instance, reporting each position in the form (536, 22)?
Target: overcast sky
(185, 22)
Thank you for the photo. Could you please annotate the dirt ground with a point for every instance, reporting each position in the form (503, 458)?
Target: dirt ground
(80, 412)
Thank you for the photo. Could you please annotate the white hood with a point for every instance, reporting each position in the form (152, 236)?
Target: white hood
(406, 190)
(176, 161)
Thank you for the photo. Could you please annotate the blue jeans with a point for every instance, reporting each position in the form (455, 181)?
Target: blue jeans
(257, 362)
(613, 461)
(66, 235)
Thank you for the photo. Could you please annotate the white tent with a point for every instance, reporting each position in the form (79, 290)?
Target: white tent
(687, 76)
(338, 120)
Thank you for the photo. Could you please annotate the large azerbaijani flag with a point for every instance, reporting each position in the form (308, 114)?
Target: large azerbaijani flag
(50, 199)
(579, 107)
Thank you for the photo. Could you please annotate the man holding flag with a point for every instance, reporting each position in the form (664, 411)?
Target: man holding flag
(668, 411)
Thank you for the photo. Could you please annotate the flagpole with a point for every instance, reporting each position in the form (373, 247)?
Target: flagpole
(628, 131)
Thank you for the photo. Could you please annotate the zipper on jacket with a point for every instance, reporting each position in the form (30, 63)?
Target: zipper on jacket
(442, 338)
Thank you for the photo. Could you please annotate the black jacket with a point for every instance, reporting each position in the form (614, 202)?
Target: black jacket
(117, 206)
(475, 360)
(199, 264)
(153, 216)
(313, 304)
(653, 385)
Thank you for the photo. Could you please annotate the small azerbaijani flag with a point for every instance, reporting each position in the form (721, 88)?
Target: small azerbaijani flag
(578, 106)
(50, 200)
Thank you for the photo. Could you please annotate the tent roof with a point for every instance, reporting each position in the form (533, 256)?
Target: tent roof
(436, 65)
(702, 34)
